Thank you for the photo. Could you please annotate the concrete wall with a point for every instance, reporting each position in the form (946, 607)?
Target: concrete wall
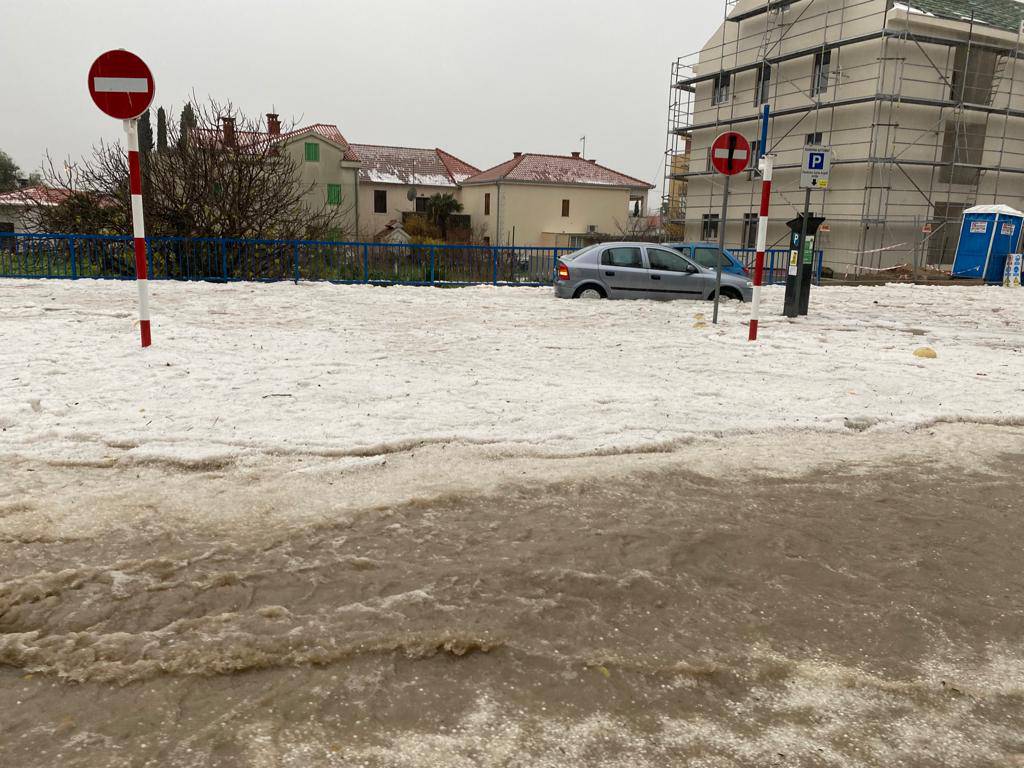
(473, 206)
(14, 214)
(535, 211)
(332, 168)
(876, 209)
(371, 223)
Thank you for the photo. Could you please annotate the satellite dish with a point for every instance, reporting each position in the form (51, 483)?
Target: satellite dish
(411, 194)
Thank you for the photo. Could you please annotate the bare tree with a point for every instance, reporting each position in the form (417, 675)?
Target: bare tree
(639, 228)
(215, 183)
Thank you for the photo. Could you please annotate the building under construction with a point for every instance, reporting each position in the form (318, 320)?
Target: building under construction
(922, 104)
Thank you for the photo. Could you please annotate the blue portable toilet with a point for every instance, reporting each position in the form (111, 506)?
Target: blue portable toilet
(988, 234)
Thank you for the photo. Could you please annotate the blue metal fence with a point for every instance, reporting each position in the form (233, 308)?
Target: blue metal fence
(776, 264)
(224, 260)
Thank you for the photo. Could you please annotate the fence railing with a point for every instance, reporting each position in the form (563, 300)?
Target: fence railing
(225, 260)
(776, 264)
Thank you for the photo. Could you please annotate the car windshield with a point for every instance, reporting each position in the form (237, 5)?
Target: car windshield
(683, 249)
(707, 256)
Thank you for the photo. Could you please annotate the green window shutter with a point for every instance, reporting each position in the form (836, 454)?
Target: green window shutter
(334, 194)
(312, 152)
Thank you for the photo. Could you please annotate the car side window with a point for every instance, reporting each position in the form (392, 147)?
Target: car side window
(708, 257)
(622, 257)
(669, 261)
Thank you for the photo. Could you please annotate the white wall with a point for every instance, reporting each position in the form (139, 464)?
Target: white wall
(535, 211)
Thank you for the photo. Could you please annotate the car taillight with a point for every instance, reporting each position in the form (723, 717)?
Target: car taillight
(563, 272)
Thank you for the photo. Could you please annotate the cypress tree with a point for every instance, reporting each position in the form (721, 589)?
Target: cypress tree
(161, 130)
(188, 120)
(145, 134)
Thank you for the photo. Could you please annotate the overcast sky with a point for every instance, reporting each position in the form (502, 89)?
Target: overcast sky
(478, 78)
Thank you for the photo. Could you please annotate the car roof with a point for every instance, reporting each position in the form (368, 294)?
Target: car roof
(692, 242)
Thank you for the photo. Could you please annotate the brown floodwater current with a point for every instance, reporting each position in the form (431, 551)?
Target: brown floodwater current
(652, 618)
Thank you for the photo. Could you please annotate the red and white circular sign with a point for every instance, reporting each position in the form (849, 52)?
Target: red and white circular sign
(121, 84)
(730, 153)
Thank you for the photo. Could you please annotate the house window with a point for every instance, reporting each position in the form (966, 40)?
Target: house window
(421, 205)
(487, 239)
(973, 79)
(720, 88)
(764, 80)
(487, 203)
(334, 194)
(565, 208)
(709, 226)
(380, 201)
(749, 230)
(820, 73)
(312, 152)
(963, 147)
(812, 139)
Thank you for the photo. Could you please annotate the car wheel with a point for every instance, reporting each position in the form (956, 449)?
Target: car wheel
(590, 292)
(727, 293)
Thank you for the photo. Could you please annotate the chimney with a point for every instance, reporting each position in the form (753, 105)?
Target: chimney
(517, 154)
(228, 130)
(273, 124)
(592, 161)
(576, 155)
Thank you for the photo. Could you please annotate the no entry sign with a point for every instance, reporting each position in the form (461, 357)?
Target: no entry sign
(730, 153)
(121, 84)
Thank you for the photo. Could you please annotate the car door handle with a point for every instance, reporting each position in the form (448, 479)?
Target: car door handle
(610, 274)
(655, 277)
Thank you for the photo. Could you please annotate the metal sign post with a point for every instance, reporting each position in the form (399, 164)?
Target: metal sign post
(814, 173)
(122, 86)
(730, 154)
(766, 166)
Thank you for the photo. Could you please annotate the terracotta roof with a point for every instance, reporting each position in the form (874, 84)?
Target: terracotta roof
(35, 195)
(329, 132)
(244, 139)
(556, 169)
(410, 165)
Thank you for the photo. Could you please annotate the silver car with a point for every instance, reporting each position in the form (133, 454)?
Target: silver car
(640, 271)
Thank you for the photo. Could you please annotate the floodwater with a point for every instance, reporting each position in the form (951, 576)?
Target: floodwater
(641, 618)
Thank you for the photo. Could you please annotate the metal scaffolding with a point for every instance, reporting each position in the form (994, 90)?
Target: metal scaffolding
(924, 117)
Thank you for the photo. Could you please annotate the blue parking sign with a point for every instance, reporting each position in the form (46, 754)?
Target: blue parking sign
(814, 170)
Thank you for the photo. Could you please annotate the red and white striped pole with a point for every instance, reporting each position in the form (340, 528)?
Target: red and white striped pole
(131, 127)
(767, 163)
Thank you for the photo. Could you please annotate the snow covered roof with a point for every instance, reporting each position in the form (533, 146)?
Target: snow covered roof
(1003, 209)
(410, 165)
(556, 169)
(34, 195)
(1001, 14)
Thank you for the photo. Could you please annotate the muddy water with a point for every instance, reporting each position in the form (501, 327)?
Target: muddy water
(649, 619)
